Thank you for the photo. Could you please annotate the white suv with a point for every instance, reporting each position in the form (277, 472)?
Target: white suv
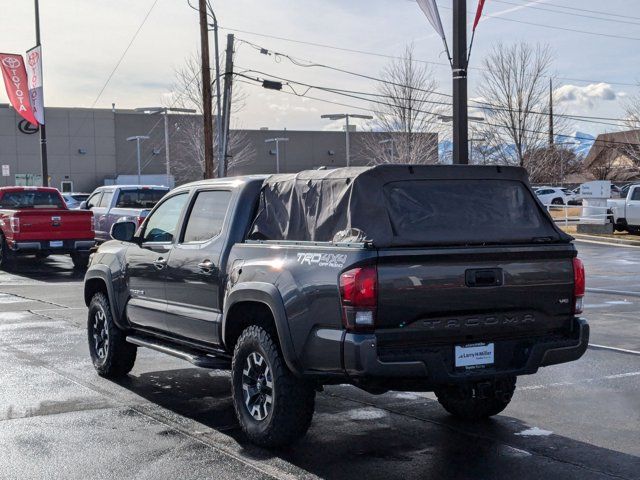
(554, 195)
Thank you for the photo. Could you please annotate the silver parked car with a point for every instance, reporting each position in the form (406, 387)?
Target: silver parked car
(116, 203)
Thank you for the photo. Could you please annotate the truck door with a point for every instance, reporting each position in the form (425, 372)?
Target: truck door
(194, 278)
(147, 262)
(633, 207)
(100, 216)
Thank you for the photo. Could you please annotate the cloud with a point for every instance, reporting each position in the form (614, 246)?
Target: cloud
(586, 96)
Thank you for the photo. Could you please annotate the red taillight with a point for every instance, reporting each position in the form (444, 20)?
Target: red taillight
(15, 224)
(359, 295)
(579, 284)
(143, 214)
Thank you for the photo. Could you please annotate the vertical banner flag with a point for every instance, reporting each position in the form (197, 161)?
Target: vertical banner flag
(15, 81)
(478, 14)
(430, 9)
(34, 76)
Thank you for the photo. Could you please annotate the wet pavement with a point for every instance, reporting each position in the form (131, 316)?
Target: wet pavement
(58, 419)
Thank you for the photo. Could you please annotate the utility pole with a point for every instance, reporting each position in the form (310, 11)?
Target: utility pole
(226, 108)
(460, 114)
(43, 131)
(551, 139)
(277, 142)
(219, 142)
(207, 102)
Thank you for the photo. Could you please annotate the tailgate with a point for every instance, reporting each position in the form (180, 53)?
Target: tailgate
(45, 224)
(478, 293)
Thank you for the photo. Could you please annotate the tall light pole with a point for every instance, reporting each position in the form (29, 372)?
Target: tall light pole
(460, 115)
(393, 146)
(43, 129)
(277, 142)
(137, 139)
(165, 112)
(346, 116)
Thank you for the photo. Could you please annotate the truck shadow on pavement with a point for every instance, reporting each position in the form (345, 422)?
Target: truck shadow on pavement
(396, 435)
(53, 269)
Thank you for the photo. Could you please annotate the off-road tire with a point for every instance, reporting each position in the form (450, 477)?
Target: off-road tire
(118, 355)
(42, 255)
(7, 257)
(293, 399)
(466, 403)
(80, 260)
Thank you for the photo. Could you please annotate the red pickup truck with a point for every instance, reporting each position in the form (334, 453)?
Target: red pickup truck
(36, 221)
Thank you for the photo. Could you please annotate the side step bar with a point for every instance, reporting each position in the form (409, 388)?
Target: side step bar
(199, 359)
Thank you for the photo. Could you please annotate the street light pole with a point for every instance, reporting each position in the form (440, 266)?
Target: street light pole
(460, 115)
(277, 142)
(43, 129)
(346, 116)
(137, 139)
(165, 111)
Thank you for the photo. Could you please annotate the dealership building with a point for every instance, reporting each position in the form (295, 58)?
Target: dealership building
(89, 147)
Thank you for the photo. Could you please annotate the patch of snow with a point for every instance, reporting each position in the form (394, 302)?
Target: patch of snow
(534, 432)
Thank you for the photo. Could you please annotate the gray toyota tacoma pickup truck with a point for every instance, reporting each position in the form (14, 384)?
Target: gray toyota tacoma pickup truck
(450, 279)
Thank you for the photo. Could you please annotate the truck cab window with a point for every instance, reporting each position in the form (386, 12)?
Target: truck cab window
(162, 224)
(106, 200)
(94, 200)
(207, 216)
(636, 194)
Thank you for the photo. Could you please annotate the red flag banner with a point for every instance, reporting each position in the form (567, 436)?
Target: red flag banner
(15, 81)
(478, 14)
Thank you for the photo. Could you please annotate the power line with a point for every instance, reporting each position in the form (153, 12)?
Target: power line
(483, 122)
(583, 118)
(599, 12)
(393, 57)
(124, 53)
(572, 13)
(554, 27)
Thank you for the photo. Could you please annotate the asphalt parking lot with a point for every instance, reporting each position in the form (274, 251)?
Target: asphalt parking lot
(58, 419)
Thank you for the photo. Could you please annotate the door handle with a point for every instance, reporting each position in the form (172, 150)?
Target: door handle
(206, 266)
(160, 263)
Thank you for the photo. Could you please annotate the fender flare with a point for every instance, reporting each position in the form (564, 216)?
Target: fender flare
(102, 273)
(269, 295)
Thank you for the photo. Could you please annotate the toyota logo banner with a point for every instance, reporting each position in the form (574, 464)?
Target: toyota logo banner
(34, 75)
(15, 81)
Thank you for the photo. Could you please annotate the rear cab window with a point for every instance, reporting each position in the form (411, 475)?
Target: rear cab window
(139, 197)
(31, 199)
(207, 216)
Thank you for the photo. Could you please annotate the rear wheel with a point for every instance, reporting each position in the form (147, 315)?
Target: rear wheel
(273, 406)
(477, 401)
(7, 256)
(80, 260)
(111, 354)
(42, 255)
(557, 201)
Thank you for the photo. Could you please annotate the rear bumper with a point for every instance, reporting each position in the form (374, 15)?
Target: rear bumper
(68, 246)
(435, 364)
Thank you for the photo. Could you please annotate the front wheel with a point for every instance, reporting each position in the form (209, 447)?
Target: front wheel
(111, 354)
(273, 406)
(477, 401)
(557, 201)
(7, 256)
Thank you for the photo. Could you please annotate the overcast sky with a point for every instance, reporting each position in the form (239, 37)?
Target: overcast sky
(83, 40)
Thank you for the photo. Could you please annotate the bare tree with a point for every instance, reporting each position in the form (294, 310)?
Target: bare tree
(404, 109)
(631, 146)
(515, 102)
(187, 93)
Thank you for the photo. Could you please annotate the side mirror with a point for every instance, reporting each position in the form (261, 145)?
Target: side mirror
(123, 231)
(83, 205)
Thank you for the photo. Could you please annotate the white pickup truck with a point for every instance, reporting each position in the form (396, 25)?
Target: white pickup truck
(625, 212)
(116, 203)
